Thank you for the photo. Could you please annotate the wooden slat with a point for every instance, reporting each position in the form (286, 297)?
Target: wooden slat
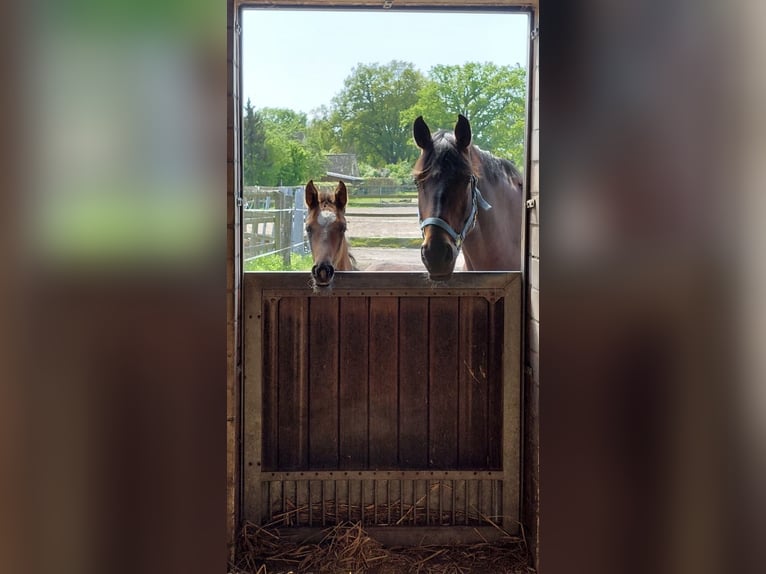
(353, 383)
(511, 357)
(474, 383)
(413, 383)
(323, 333)
(381, 475)
(254, 370)
(384, 356)
(443, 382)
(293, 384)
(270, 383)
(385, 283)
(495, 386)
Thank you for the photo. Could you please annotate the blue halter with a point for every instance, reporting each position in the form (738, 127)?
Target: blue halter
(470, 222)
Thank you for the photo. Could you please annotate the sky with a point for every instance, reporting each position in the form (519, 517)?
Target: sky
(298, 59)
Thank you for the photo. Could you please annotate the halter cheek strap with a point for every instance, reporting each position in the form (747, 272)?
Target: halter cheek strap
(470, 222)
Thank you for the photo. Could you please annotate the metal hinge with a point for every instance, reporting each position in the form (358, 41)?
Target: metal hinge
(239, 201)
(238, 29)
(531, 203)
(535, 33)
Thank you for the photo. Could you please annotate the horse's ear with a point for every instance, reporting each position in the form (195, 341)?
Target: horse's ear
(341, 195)
(312, 195)
(422, 134)
(462, 132)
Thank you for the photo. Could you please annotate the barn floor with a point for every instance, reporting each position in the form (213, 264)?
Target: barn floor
(347, 548)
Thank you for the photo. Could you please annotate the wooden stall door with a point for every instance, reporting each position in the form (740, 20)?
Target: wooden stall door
(387, 399)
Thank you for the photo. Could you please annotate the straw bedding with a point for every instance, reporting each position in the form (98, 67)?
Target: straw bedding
(346, 548)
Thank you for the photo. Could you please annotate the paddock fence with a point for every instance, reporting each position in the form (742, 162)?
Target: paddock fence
(272, 222)
(273, 217)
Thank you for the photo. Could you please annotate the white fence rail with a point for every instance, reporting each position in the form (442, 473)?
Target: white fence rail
(273, 222)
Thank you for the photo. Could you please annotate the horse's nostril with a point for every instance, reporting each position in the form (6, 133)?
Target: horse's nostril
(323, 272)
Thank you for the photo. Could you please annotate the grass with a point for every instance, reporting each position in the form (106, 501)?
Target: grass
(411, 242)
(374, 201)
(304, 262)
(276, 263)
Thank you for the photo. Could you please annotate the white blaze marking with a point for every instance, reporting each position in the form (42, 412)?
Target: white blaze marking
(325, 218)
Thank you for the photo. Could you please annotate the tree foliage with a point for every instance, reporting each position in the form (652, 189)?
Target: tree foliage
(323, 131)
(254, 154)
(369, 111)
(281, 156)
(492, 97)
(372, 116)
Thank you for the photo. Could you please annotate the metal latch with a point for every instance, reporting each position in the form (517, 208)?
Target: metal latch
(387, 4)
(531, 203)
(535, 33)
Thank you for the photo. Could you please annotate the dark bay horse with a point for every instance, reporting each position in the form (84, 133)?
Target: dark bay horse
(326, 230)
(467, 198)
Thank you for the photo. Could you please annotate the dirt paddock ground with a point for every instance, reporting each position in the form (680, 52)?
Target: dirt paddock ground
(400, 222)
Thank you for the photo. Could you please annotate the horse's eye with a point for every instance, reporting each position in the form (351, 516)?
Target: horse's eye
(308, 229)
(343, 228)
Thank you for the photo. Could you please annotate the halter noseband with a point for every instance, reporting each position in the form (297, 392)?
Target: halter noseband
(470, 222)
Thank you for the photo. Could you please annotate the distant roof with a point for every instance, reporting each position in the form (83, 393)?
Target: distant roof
(336, 175)
(344, 163)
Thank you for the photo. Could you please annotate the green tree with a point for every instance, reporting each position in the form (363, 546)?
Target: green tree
(323, 133)
(289, 158)
(255, 159)
(369, 110)
(492, 97)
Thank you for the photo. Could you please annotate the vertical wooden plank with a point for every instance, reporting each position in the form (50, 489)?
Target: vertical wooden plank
(512, 405)
(292, 384)
(384, 357)
(413, 382)
(341, 493)
(473, 391)
(495, 385)
(270, 383)
(254, 367)
(443, 382)
(353, 382)
(323, 382)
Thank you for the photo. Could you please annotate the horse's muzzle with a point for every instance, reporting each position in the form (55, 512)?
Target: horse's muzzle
(438, 255)
(323, 274)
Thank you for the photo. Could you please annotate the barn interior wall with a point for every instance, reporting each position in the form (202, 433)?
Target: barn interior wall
(531, 489)
(233, 278)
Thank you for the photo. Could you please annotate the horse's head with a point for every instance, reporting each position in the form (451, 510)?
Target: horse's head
(326, 230)
(447, 194)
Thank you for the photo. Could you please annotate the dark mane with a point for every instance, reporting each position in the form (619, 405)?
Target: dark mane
(444, 160)
(496, 168)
